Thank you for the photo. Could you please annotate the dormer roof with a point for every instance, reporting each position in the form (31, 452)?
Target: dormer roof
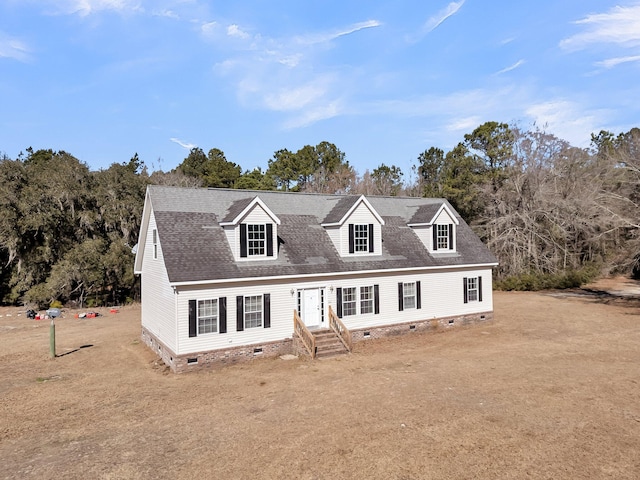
(427, 215)
(240, 208)
(338, 215)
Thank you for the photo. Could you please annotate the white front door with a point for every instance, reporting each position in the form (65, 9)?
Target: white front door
(311, 314)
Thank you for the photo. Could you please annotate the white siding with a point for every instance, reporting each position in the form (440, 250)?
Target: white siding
(442, 295)
(282, 305)
(425, 234)
(158, 300)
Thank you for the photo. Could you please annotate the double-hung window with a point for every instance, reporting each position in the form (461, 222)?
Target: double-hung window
(349, 301)
(472, 289)
(409, 295)
(358, 300)
(361, 238)
(207, 316)
(253, 311)
(366, 300)
(442, 238)
(256, 237)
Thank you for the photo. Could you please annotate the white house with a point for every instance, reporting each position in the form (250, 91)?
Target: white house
(225, 272)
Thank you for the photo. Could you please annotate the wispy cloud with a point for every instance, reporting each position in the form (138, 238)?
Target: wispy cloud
(315, 114)
(186, 146)
(280, 75)
(519, 63)
(88, 7)
(166, 13)
(235, 31)
(567, 120)
(614, 62)
(14, 48)
(620, 25)
(436, 20)
(332, 35)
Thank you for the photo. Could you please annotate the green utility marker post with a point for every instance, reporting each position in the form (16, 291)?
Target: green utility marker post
(52, 340)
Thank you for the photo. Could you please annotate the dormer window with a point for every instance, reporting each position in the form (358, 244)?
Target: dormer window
(361, 238)
(255, 240)
(251, 230)
(442, 237)
(442, 240)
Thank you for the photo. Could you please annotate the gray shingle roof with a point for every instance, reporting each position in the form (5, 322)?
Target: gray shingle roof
(195, 247)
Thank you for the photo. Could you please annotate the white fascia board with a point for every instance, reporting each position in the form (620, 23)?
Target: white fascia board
(332, 274)
(360, 200)
(142, 235)
(247, 209)
(449, 212)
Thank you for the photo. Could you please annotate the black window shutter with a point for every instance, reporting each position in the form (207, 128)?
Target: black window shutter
(435, 236)
(376, 299)
(239, 313)
(400, 297)
(351, 239)
(269, 239)
(222, 314)
(267, 310)
(451, 236)
(418, 295)
(466, 296)
(339, 302)
(193, 327)
(479, 289)
(243, 240)
(371, 244)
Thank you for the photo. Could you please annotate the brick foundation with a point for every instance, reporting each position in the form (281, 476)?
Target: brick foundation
(429, 325)
(229, 356)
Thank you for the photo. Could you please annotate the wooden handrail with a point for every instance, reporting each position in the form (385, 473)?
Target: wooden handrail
(343, 332)
(308, 340)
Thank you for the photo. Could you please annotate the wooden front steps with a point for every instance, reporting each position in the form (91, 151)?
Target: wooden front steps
(328, 344)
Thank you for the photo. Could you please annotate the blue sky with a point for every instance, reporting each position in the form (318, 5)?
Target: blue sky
(104, 79)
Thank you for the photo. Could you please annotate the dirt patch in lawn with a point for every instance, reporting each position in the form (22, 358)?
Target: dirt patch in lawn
(549, 389)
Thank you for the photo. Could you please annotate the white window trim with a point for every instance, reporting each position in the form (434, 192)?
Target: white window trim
(216, 316)
(264, 241)
(473, 290)
(442, 238)
(370, 300)
(360, 233)
(414, 296)
(358, 301)
(245, 311)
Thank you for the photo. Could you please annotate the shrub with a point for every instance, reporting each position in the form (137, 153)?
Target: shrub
(534, 281)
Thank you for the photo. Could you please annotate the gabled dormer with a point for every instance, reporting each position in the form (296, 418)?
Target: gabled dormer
(436, 226)
(252, 230)
(355, 227)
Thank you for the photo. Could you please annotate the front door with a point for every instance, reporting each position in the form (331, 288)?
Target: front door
(311, 314)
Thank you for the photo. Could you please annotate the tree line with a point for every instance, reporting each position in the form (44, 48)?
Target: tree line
(553, 214)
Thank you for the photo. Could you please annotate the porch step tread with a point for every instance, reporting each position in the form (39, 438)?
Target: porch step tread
(328, 344)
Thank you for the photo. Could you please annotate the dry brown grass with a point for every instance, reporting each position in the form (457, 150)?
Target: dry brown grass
(549, 389)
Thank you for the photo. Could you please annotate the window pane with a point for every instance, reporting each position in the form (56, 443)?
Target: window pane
(207, 316)
(253, 311)
(409, 294)
(349, 301)
(443, 236)
(366, 300)
(361, 238)
(255, 239)
(472, 289)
